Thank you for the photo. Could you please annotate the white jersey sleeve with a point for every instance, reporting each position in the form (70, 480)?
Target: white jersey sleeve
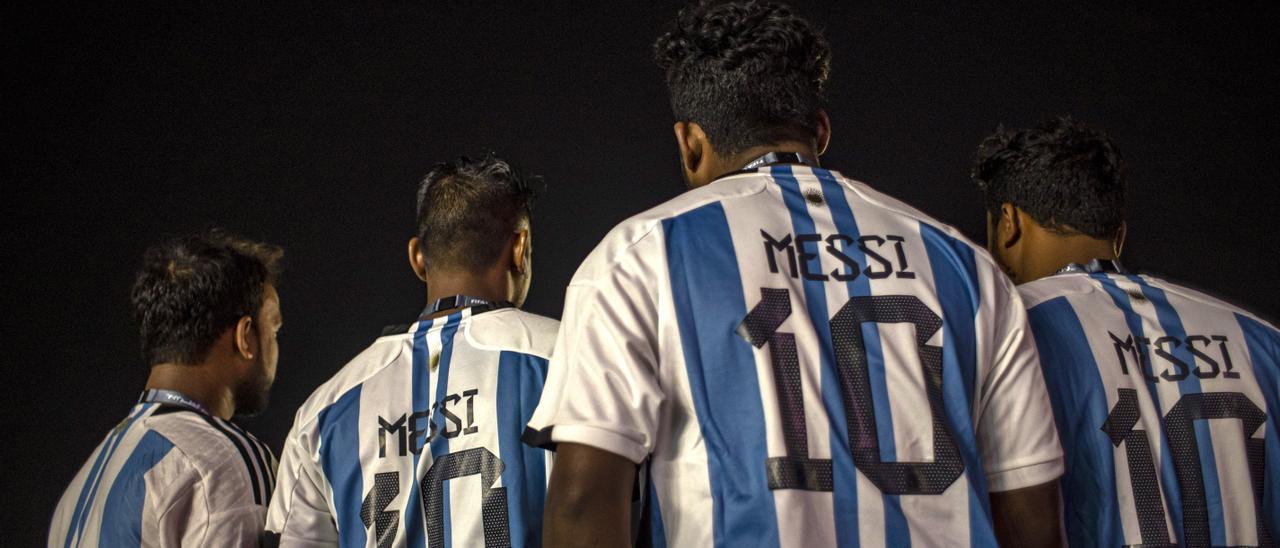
(1019, 444)
(300, 509)
(609, 352)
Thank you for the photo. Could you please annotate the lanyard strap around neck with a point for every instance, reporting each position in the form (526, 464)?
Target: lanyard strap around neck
(777, 158)
(477, 305)
(172, 397)
(1094, 266)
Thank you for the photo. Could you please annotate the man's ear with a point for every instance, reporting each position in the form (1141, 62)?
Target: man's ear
(246, 338)
(521, 251)
(1010, 225)
(417, 261)
(693, 144)
(823, 137)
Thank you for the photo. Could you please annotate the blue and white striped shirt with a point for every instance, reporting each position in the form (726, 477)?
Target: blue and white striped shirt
(1166, 402)
(803, 361)
(168, 476)
(416, 441)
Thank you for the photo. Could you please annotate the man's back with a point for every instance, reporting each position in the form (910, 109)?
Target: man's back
(372, 452)
(1165, 400)
(803, 361)
(168, 476)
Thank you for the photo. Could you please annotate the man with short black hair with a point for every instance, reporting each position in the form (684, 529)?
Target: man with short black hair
(177, 471)
(1166, 398)
(799, 359)
(416, 441)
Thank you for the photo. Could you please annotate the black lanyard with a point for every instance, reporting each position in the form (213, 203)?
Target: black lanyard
(172, 397)
(769, 159)
(1094, 266)
(477, 305)
(777, 158)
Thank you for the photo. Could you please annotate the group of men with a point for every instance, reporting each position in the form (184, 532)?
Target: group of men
(780, 356)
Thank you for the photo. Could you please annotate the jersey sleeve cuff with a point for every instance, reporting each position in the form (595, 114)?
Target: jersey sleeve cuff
(1025, 476)
(600, 438)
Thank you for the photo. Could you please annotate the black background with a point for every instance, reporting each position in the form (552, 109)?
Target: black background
(310, 126)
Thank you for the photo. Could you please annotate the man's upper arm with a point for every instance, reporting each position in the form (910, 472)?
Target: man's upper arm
(602, 384)
(1015, 429)
(299, 511)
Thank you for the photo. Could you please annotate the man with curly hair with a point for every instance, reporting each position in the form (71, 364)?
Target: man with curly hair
(177, 471)
(1166, 398)
(791, 357)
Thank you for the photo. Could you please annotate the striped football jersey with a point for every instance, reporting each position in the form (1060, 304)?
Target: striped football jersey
(1166, 402)
(416, 441)
(168, 476)
(802, 361)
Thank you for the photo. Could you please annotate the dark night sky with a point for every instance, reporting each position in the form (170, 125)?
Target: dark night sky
(309, 127)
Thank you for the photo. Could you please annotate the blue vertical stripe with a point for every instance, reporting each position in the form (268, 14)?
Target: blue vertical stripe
(339, 426)
(88, 484)
(1172, 326)
(955, 280)
(83, 511)
(1168, 476)
(1079, 401)
(520, 380)
(420, 391)
(844, 473)
(707, 294)
(122, 512)
(657, 529)
(1263, 343)
(440, 445)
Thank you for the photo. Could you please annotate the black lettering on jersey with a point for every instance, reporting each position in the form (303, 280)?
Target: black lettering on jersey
(807, 257)
(904, 270)
(772, 244)
(852, 268)
(413, 431)
(1178, 364)
(421, 430)
(1226, 358)
(451, 399)
(803, 256)
(1173, 368)
(1124, 348)
(887, 267)
(471, 411)
(397, 428)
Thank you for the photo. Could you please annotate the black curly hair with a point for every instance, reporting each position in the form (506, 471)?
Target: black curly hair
(467, 208)
(1068, 177)
(750, 73)
(193, 288)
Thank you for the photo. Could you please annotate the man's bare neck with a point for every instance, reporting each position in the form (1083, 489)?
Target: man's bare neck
(196, 382)
(443, 285)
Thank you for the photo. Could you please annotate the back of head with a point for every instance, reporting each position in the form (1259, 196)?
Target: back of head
(193, 288)
(1069, 178)
(749, 73)
(467, 210)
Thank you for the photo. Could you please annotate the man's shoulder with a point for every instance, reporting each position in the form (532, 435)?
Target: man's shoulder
(374, 359)
(514, 330)
(212, 449)
(1076, 285)
(625, 236)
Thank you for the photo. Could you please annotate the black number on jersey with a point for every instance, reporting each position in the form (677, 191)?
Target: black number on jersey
(1179, 427)
(478, 460)
(796, 470)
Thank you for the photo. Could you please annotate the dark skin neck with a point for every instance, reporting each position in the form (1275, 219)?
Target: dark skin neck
(491, 285)
(1050, 251)
(722, 165)
(203, 382)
